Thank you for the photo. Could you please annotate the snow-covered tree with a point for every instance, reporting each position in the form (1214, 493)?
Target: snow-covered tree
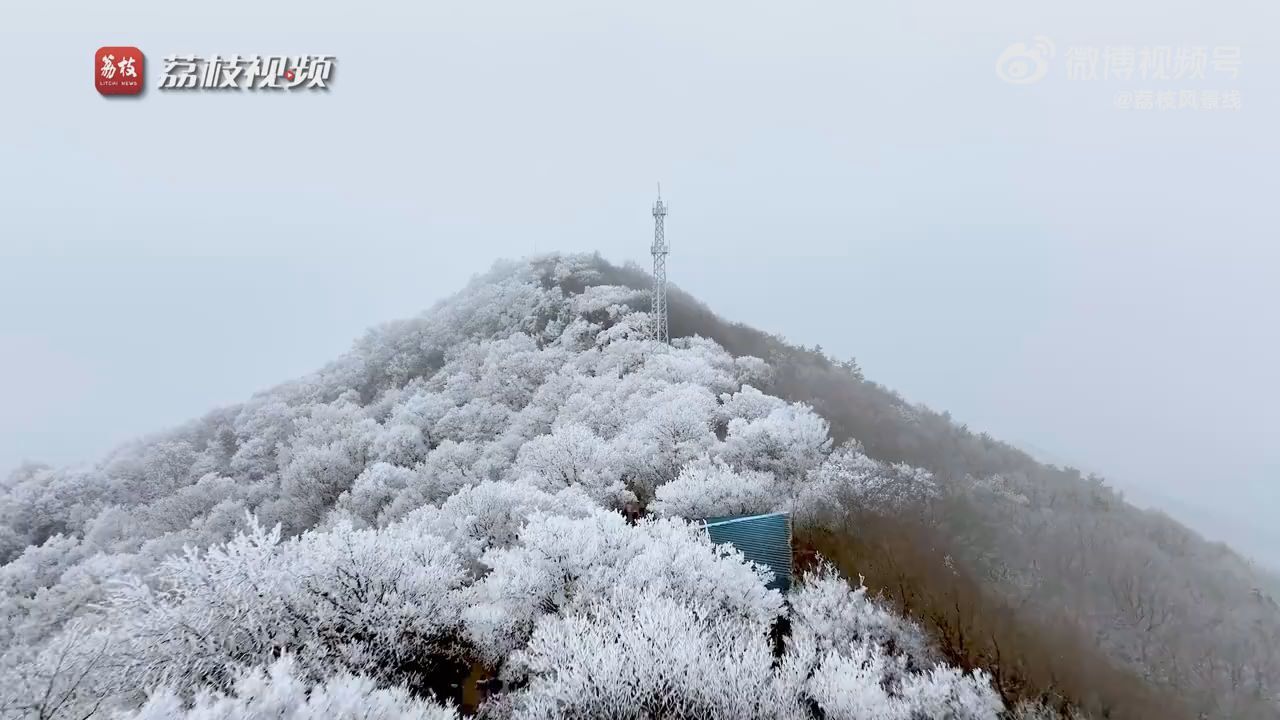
(850, 481)
(853, 658)
(708, 487)
(377, 486)
(747, 404)
(670, 429)
(559, 564)
(261, 428)
(492, 514)
(400, 444)
(657, 654)
(378, 602)
(278, 693)
(788, 442)
(652, 657)
(573, 456)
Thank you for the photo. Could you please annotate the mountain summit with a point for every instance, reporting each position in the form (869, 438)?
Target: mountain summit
(433, 525)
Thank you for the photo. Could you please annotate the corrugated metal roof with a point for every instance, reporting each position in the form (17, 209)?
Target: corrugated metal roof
(765, 539)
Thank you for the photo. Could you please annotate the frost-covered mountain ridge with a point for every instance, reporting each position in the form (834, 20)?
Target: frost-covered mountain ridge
(442, 504)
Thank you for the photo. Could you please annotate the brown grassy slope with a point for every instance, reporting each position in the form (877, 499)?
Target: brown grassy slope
(1028, 658)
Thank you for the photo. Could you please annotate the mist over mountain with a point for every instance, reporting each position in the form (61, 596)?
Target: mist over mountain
(1259, 543)
(484, 509)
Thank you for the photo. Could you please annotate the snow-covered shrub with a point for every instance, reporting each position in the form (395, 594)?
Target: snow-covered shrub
(868, 684)
(369, 601)
(652, 657)
(492, 514)
(376, 487)
(949, 692)
(661, 655)
(850, 481)
(261, 427)
(447, 469)
(829, 615)
(634, 328)
(64, 678)
(703, 364)
(399, 444)
(753, 371)
(421, 409)
(788, 442)
(854, 658)
(573, 456)
(478, 420)
(279, 693)
(40, 565)
(747, 404)
(708, 487)
(562, 564)
(667, 429)
(853, 686)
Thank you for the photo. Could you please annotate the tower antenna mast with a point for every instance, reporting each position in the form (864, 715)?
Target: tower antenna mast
(661, 332)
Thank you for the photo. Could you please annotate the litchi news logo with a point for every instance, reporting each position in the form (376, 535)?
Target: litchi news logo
(1023, 64)
(118, 70)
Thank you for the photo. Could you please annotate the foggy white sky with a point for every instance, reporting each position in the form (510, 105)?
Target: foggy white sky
(1097, 285)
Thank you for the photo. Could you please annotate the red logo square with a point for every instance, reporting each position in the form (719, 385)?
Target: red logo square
(118, 70)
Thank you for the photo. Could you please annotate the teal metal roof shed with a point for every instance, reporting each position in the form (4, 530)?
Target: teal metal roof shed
(765, 539)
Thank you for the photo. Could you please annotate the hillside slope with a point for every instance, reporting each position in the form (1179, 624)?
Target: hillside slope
(432, 521)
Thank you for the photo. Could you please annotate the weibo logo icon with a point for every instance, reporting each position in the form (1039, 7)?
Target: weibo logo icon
(118, 70)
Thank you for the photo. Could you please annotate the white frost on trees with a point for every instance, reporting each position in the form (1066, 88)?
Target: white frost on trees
(788, 442)
(654, 657)
(574, 456)
(657, 654)
(848, 480)
(708, 487)
(855, 659)
(492, 514)
(276, 693)
(560, 565)
(366, 601)
(445, 494)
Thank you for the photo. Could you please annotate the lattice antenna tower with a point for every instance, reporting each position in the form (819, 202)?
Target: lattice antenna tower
(660, 248)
